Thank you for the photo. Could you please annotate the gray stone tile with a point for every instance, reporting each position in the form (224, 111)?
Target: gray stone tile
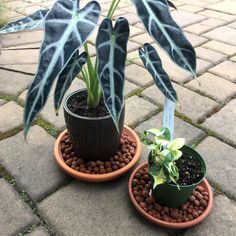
(218, 15)
(196, 40)
(203, 66)
(135, 31)
(182, 128)
(138, 75)
(18, 57)
(132, 46)
(190, 8)
(15, 215)
(210, 55)
(40, 231)
(223, 122)
(32, 164)
(223, 34)
(48, 112)
(130, 88)
(220, 168)
(137, 110)
(195, 3)
(217, 88)
(186, 18)
(198, 29)
(142, 38)
(232, 25)
(226, 70)
(228, 6)
(213, 22)
(193, 105)
(95, 209)
(13, 83)
(221, 221)
(25, 68)
(11, 119)
(220, 47)
(27, 37)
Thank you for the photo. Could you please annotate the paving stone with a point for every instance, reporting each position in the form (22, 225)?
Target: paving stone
(15, 215)
(198, 29)
(210, 55)
(223, 122)
(217, 88)
(233, 58)
(221, 47)
(25, 68)
(24, 46)
(18, 57)
(130, 9)
(32, 164)
(40, 231)
(130, 88)
(193, 105)
(195, 40)
(134, 31)
(226, 70)
(220, 222)
(218, 15)
(48, 112)
(133, 57)
(11, 116)
(137, 110)
(203, 66)
(232, 25)
(184, 19)
(2, 102)
(213, 22)
(142, 38)
(217, 155)
(138, 75)
(132, 46)
(228, 6)
(140, 25)
(223, 34)
(29, 10)
(15, 39)
(190, 8)
(195, 3)
(95, 209)
(13, 83)
(182, 128)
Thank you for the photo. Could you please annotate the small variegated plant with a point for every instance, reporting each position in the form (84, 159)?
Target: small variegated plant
(67, 28)
(164, 154)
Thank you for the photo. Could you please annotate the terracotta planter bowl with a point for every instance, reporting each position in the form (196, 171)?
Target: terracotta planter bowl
(100, 177)
(170, 225)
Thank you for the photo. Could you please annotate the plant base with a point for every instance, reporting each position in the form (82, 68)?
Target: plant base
(194, 211)
(98, 171)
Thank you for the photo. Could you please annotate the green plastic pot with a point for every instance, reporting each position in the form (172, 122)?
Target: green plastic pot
(169, 195)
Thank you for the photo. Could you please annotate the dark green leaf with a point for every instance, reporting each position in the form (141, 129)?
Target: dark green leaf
(33, 21)
(157, 20)
(111, 53)
(69, 73)
(66, 29)
(152, 62)
(171, 4)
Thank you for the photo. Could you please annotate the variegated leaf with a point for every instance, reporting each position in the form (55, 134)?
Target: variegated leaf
(157, 20)
(69, 73)
(66, 29)
(111, 53)
(33, 21)
(152, 62)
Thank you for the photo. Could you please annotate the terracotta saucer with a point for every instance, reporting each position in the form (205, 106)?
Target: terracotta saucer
(166, 224)
(100, 177)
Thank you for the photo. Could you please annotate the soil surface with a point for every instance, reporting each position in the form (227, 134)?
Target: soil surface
(192, 209)
(122, 158)
(78, 105)
(189, 170)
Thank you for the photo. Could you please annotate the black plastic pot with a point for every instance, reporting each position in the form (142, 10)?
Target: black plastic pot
(169, 195)
(92, 138)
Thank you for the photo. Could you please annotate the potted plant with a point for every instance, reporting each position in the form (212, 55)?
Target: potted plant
(170, 190)
(94, 117)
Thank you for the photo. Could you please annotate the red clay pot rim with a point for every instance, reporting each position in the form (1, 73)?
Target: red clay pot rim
(170, 225)
(100, 177)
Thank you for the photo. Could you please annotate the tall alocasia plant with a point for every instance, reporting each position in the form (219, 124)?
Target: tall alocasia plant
(67, 28)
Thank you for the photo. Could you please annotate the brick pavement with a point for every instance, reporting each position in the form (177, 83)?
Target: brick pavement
(43, 201)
